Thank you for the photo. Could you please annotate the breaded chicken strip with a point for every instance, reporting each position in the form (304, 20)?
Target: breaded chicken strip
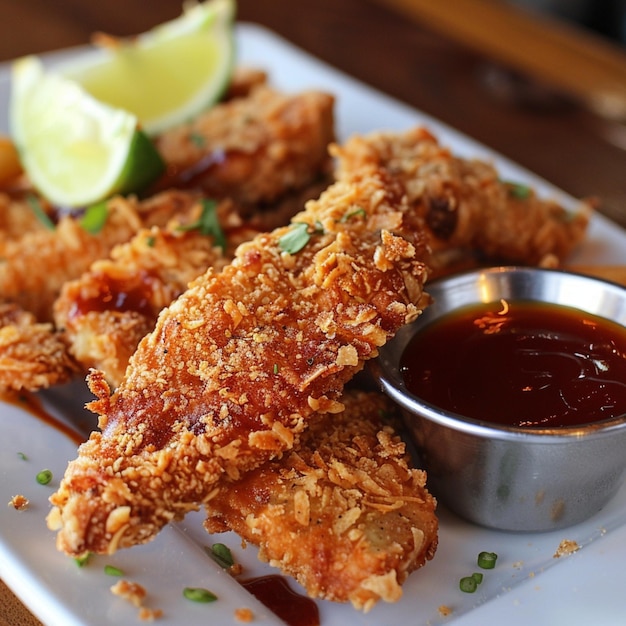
(241, 362)
(32, 355)
(344, 513)
(252, 149)
(472, 216)
(108, 310)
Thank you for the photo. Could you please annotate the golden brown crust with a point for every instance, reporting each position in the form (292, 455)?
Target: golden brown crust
(470, 214)
(32, 355)
(239, 363)
(252, 149)
(345, 513)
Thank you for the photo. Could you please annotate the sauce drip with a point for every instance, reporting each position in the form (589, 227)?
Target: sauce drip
(529, 364)
(32, 404)
(275, 593)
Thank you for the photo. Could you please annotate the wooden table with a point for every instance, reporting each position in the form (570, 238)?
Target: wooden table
(441, 63)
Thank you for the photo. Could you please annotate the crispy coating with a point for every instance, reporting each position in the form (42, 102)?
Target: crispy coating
(32, 355)
(108, 310)
(252, 149)
(238, 365)
(471, 215)
(344, 513)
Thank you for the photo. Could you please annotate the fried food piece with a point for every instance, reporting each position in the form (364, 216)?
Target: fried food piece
(107, 311)
(239, 363)
(252, 149)
(345, 513)
(472, 216)
(32, 355)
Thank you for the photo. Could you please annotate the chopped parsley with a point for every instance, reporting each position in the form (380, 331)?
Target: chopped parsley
(208, 224)
(295, 238)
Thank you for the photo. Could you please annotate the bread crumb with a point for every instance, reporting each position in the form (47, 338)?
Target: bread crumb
(19, 502)
(133, 592)
(567, 546)
(244, 615)
(149, 615)
(445, 610)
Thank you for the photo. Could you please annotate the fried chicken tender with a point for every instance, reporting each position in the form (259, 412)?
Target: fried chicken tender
(107, 311)
(241, 362)
(472, 216)
(32, 355)
(344, 513)
(252, 149)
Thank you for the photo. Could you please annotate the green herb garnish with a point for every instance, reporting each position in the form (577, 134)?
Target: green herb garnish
(208, 224)
(95, 217)
(111, 570)
(517, 190)
(22, 456)
(44, 477)
(354, 213)
(468, 584)
(197, 594)
(487, 560)
(81, 561)
(295, 238)
(221, 554)
(40, 213)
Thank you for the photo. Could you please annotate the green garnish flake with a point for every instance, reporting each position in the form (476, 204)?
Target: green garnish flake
(487, 560)
(295, 238)
(358, 212)
(111, 570)
(22, 456)
(150, 241)
(208, 224)
(276, 368)
(478, 577)
(197, 139)
(40, 213)
(95, 217)
(517, 190)
(221, 554)
(468, 584)
(197, 594)
(44, 477)
(81, 561)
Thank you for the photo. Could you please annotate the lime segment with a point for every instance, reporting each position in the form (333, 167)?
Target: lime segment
(169, 74)
(75, 149)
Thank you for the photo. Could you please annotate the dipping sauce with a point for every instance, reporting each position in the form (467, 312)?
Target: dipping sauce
(529, 364)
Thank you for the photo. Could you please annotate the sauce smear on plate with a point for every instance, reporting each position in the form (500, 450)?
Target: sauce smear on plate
(529, 364)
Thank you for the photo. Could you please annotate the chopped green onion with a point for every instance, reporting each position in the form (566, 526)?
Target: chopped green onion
(360, 212)
(22, 456)
(40, 213)
(208, 224)
(468, 584)
(95, 217)
(221, 554)
(478, 577)
(82, 560)
(276, 368)
(44, 477)
(111, 570)
(197, 594)
(517, 190)
(487, 560)
(295, 238)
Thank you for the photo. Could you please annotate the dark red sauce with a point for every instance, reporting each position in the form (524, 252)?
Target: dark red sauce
(275, 593)
(31, 403)
(528, 364)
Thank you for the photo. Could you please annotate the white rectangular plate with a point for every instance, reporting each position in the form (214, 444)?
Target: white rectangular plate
(528, 585)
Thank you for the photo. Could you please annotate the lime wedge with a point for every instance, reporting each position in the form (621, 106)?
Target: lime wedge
(75, 149)
(168, 74)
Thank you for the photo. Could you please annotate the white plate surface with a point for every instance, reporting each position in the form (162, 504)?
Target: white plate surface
(528, 586)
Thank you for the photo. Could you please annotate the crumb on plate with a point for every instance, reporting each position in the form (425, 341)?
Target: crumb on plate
(566, 547)
(19, 502)
(244, 615)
